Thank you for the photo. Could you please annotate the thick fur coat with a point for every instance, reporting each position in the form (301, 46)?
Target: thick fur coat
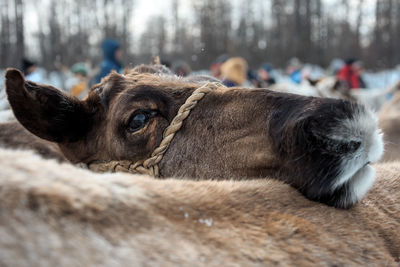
(389, 121)
(58, 215)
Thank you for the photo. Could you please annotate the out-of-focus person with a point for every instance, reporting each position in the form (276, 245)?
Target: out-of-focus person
(31, 71)
(252, 78)
(265, 76)
(294, 70)
(234, 72)
(112, 59)
(334, 67)
(166, 63)
(77, 84)
(215, 67)
(181, 68)
(350, 75)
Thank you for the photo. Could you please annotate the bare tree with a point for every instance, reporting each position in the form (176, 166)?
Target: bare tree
(5, 40)
(258, 30)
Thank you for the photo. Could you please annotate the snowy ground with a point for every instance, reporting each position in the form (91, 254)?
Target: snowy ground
(382, 79)
(373, 80)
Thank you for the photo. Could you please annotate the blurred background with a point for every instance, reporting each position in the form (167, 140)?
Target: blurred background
(56, 34)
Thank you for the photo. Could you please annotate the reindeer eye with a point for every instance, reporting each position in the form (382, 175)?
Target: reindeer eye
(139, 120)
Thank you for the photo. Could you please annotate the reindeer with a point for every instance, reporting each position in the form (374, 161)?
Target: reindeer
(60, 215)
(322, 147)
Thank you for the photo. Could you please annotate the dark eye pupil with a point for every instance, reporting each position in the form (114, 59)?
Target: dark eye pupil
(138, 122)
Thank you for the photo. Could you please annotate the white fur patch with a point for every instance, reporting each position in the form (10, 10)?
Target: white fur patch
(361, 183)
(377, 147)
(362, 128)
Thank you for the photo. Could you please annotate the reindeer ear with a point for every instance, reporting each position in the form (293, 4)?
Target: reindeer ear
(46, 111)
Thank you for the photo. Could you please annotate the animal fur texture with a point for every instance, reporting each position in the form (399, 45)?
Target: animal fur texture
(232, 132)
(59, 215)
(389, 121)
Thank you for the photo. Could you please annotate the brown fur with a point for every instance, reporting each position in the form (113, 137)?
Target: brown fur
(154, 69)
(58, 215)
(389, 121)
(239, 133)
(14, 135)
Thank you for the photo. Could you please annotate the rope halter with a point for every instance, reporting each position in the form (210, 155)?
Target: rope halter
(150, 165)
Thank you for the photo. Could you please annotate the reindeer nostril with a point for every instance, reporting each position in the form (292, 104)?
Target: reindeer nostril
(349, 147)
(354, 145)
(343, 147)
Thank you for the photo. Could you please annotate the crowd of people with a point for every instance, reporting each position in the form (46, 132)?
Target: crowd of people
(232, 71)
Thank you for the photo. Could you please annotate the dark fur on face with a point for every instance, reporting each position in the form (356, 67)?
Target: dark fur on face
(300, 139)
(234, 133)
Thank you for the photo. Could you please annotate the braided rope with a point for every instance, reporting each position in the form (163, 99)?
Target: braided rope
(150, 165)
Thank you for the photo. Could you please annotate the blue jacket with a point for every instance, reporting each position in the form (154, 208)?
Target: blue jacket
(229, 83)
(110, 62)
(296, 76)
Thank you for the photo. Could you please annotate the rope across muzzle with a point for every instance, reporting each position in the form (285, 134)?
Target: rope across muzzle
(150, 165)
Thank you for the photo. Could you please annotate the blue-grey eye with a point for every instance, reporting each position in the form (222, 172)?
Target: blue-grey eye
(138, 121)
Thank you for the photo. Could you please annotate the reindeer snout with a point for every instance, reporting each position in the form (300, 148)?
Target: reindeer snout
(361, 134)
(330, 145)
(345, 129)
